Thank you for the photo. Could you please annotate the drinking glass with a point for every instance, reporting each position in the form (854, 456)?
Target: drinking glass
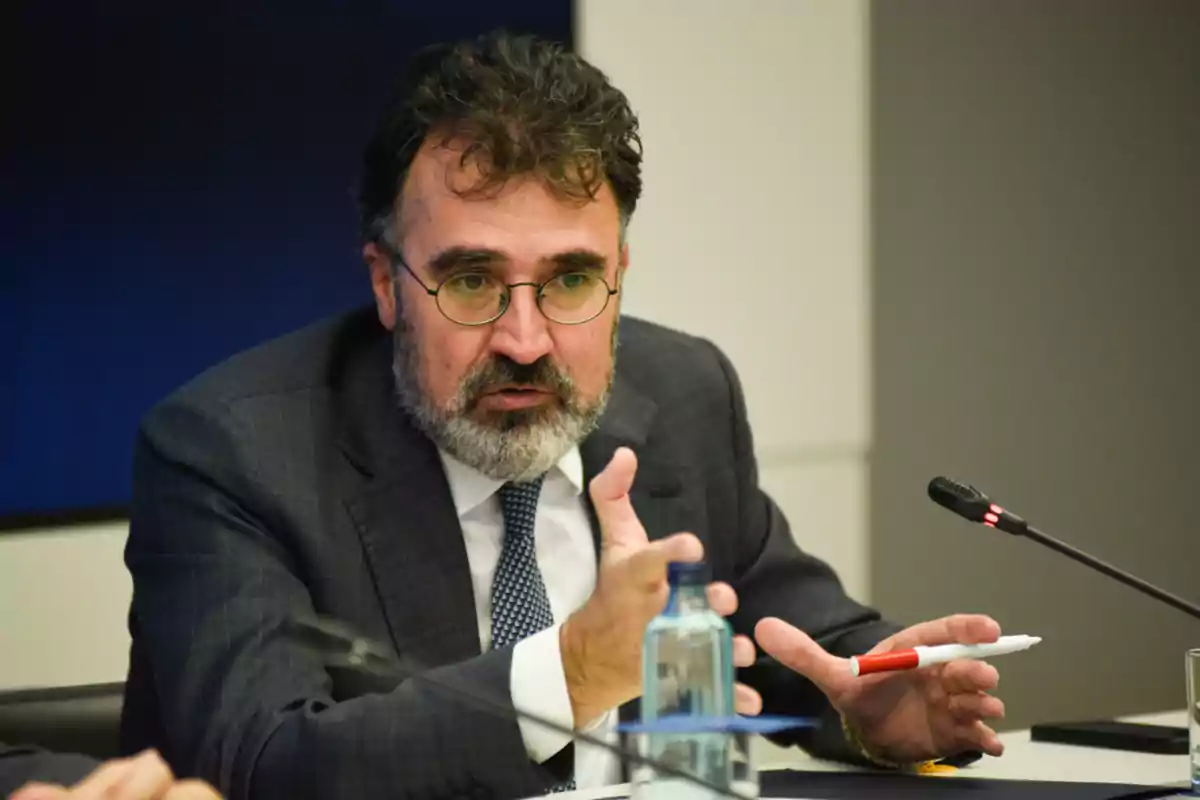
(1193, 709)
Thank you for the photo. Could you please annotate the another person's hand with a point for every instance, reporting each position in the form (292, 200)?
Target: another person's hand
(602, 641)
(143, 777)
(910, 715)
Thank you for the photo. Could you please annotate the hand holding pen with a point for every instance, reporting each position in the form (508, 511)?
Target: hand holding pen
(906, 709)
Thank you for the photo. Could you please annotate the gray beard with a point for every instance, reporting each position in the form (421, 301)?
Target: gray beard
(512, 446)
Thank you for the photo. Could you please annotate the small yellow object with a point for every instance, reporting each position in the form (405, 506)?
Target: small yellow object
(934, 768)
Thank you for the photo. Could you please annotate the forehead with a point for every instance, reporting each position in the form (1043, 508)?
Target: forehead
(524, 217)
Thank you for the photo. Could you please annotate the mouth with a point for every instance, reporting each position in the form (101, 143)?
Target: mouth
(511, 397)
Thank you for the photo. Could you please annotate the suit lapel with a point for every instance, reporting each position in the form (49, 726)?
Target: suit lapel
(405, 517)
(657, 487)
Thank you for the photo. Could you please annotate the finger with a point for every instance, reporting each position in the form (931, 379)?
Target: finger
(191, 790)
(971, 706)
(959, 628)
(147, 779)
(40, 791)
(722, 598)
(978, 736)
(648, 566)
(795, 649)
(743, 651)
(969, 676)
(619, 525)
(746, 700)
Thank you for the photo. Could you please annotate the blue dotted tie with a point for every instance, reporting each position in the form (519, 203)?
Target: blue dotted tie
(520, 606)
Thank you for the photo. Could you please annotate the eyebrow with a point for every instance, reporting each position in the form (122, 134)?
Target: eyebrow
(579, 260)
(455, 258)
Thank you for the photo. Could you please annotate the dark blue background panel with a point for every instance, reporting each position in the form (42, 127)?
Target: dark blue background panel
(180, 186)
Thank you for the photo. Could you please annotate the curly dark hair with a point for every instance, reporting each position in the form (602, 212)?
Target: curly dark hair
(523, 106)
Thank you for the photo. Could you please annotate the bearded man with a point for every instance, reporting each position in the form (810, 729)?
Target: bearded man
(487, 470)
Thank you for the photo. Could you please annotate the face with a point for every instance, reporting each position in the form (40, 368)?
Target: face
(511, 396)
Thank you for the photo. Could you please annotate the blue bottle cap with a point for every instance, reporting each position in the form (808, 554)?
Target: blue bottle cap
(688, 574)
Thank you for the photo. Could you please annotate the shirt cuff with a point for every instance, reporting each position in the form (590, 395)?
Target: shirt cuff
(537, 685)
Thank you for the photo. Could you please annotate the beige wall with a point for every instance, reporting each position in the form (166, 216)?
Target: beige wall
(64, 593)
(752, 230)
(1036, 190)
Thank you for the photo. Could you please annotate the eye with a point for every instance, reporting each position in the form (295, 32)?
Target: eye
(573, 282)
(469, 283)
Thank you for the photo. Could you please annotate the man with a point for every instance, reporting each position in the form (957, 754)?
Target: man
(40, 776)
(475, 475)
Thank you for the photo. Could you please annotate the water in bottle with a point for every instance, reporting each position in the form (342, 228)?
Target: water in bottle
(688, 672)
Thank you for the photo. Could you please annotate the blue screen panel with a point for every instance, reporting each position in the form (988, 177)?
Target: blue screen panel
(180, 187)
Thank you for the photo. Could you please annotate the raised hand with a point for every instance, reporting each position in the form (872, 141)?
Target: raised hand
(602, 641)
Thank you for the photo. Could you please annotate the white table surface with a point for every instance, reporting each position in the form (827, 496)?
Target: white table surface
(1023, 759)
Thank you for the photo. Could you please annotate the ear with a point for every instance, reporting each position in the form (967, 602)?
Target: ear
(382, 284)
(623, 259)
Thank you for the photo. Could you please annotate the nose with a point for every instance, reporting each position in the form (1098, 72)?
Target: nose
(522, 333)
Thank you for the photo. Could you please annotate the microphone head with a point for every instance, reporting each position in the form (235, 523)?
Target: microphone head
(970, 503)
(961, 498)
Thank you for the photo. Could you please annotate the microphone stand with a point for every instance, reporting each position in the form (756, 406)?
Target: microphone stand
(1113, 572)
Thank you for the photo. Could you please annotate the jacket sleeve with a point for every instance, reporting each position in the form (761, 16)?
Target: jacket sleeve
(244, 703)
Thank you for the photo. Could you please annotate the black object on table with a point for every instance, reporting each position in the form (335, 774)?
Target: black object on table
(901, 786)
(1138, 737)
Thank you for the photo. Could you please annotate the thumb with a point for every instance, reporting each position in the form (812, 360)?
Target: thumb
(619, 524)
(796, 650)
(40, 791)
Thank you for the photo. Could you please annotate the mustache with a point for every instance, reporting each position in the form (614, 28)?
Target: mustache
(502, 370)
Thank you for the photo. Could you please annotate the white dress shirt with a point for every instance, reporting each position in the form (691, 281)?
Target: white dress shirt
(566, 556)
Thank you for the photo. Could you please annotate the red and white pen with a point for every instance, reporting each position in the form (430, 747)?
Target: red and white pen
(922, 656)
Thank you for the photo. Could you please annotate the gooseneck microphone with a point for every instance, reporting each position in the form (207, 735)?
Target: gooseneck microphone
(970, 503)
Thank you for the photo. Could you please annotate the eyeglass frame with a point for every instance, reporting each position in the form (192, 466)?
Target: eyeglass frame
(395, 258)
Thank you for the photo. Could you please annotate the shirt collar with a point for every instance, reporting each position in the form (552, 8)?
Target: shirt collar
(469, 487)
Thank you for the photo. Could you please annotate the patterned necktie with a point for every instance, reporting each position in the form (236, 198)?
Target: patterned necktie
(520, 606)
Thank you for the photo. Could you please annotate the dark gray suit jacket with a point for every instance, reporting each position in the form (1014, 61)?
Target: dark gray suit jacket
(21, 765)
(285, 482)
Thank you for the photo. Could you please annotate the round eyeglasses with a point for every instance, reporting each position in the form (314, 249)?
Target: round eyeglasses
(473, 297)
